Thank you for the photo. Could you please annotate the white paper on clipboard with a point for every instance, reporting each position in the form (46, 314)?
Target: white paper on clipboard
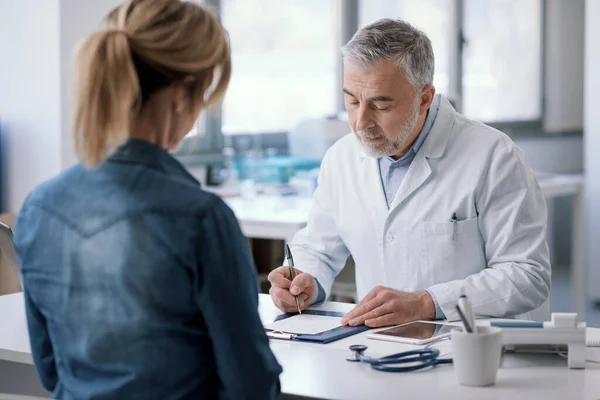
(305, 324)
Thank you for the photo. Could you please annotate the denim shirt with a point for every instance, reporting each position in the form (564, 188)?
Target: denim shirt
(140, 285)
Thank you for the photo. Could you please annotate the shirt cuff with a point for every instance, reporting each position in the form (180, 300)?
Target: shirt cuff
(321, 295)
(439, 314)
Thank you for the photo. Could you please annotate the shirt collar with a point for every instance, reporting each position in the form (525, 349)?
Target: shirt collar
(137, 151)
(414, 149)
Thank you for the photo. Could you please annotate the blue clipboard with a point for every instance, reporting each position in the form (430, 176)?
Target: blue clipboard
(323, 337)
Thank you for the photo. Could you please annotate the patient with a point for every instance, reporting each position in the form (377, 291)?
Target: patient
(137, 283)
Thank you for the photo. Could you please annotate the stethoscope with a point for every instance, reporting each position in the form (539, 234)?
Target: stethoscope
(424, 358)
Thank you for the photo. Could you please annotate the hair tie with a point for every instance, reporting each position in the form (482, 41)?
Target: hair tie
(120, 32)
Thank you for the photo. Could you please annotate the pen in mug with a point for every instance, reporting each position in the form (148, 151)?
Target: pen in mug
(290, 259)
(467, 309)
(464, 320)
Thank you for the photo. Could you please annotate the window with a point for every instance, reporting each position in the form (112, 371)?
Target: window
(434, 17)
(286, 56)
(502, 60)
(283, 55)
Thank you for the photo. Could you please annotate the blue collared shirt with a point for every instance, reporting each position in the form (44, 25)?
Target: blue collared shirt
(392, 173)
(139, 284)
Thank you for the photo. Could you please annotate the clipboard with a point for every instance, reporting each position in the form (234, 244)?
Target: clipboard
(324, 337)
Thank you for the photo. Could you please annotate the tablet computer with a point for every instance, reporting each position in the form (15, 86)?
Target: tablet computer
(417, 332)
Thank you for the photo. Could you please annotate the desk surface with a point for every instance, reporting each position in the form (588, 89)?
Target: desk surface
(272, 209)
(271, 217)
(320, 371)
(14, 338)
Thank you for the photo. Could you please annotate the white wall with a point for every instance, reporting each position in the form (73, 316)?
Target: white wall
(564, 65)
(77, 19)
(592, 142)
(30, 96)
(37, 40)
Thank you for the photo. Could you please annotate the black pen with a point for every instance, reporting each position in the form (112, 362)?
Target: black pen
(290, 259)
(454, 220)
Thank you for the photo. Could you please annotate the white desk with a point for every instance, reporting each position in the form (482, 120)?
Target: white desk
(14, 338)
(320, 371)
(270, 217)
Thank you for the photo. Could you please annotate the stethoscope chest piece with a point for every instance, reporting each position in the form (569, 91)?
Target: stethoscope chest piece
(357, 350)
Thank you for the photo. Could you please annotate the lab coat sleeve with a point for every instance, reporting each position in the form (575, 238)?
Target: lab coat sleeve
(318, 248)
(512, 219)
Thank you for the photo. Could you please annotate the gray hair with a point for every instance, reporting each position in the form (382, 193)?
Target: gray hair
(396, 40)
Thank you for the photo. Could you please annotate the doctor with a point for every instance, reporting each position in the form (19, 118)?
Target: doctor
(430, 204)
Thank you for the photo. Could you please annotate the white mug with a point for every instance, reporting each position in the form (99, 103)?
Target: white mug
(476, 356)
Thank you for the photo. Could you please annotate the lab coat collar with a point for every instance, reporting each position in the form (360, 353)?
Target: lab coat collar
(435, 144)
(419, 171)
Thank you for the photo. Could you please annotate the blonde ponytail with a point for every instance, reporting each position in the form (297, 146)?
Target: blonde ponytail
(107, 89)
(147, 45)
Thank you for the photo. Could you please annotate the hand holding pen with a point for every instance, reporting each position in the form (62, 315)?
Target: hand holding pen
(285, 288)
(290, 259)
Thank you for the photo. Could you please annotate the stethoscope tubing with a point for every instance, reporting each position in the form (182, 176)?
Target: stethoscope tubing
(427, 357)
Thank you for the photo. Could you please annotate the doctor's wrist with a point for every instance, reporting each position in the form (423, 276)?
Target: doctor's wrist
(426, 306)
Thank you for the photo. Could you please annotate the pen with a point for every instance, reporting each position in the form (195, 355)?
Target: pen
(281, 335)
(454, 221)
(467, 309)
(288, 255)
(464, 320)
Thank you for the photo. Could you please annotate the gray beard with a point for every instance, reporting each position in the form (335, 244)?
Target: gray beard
(389, 147)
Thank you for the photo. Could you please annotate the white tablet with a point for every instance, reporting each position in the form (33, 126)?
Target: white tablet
(417, 332)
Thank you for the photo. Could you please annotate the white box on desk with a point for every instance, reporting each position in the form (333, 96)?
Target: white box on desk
(571, 337)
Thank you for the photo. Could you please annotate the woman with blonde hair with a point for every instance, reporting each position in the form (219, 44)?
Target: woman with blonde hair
(137, 283)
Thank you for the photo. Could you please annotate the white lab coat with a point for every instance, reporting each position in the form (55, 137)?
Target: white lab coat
(496, 253)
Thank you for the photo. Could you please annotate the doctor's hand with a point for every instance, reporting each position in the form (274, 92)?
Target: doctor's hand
(384, 306)
(283, 290)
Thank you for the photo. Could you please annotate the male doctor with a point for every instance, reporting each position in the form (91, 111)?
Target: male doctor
(430, 204)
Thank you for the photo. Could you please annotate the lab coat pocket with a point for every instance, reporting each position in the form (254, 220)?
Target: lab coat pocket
(450, 250)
